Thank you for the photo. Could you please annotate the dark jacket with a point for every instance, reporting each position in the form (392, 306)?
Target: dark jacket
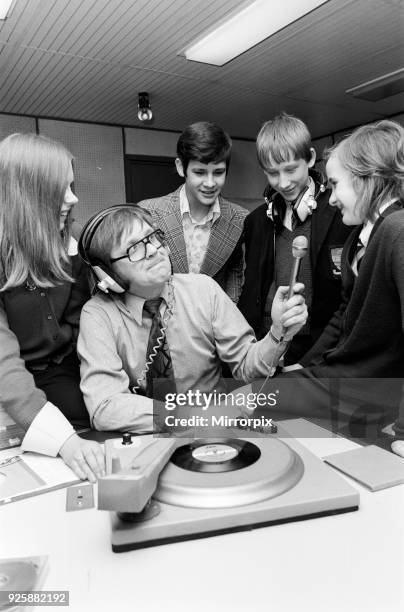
(363, 344)
(365, 337)
(328, 235)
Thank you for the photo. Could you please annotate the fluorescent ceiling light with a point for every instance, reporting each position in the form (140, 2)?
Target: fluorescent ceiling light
(249, 26)
(4, 7)
(383, 87)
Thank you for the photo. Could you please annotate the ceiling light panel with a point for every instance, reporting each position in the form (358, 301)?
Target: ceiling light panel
(246, 28)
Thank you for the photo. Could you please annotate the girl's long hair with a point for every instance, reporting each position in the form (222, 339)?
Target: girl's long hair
(374, 155)
(34, 173)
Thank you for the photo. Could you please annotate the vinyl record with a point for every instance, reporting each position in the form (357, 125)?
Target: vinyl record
(17, 576)
(212, 457)
(258, 471)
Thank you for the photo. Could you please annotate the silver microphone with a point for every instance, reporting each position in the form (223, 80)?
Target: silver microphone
(299, 250)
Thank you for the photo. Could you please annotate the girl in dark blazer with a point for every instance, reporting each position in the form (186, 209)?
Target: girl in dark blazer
(365, 336)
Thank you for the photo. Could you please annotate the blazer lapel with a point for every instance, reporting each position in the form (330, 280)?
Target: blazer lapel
(353, 239)
(348, 275)
(321, 220)
(170, 221)
(223, 238)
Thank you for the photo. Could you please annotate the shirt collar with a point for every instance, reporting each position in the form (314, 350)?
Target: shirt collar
(72, 247)
(136, 306)
(212, 214)
(309, 193)
(369, 225)
(312, 186)
(137, 303)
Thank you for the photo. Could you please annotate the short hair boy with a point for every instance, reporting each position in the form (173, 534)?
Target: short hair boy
(203, 230)
(296, 204)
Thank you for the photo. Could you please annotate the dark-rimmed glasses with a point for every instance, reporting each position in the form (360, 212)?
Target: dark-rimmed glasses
(138, 250)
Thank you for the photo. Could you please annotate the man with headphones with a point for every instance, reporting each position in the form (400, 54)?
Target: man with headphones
(296, 204)
(144, 315)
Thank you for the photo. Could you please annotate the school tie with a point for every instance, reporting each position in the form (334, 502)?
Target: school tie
(158, 353)
(357, 258)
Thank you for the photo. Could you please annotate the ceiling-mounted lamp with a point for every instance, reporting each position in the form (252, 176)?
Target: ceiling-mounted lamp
(145, 112)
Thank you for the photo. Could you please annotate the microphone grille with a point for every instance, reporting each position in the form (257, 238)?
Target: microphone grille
(299, 247)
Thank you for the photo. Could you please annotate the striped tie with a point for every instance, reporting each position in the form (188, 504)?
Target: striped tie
(358, 256)
(159, 353)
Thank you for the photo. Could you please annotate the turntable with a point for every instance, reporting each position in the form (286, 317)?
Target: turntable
(215, 486)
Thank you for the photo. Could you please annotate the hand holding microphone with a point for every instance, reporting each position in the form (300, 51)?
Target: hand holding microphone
(289, 311)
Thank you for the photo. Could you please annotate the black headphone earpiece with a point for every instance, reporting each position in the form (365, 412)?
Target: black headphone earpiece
(105, 278)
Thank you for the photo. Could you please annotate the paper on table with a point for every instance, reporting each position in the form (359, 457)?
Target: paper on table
(26, 474)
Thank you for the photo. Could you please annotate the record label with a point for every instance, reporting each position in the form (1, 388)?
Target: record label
(216, 456)
(214, 453)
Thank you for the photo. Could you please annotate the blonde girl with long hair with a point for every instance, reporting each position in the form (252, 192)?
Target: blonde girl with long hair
(43, 286)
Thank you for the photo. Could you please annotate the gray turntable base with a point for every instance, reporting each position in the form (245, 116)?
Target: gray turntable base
(287, 483)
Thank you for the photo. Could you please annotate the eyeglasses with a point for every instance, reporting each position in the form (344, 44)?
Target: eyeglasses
(138, 250)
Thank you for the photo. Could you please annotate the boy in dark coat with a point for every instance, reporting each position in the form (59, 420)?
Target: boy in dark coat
(296, 204)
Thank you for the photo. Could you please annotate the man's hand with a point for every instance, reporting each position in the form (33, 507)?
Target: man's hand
(288, 316)
(85, 457)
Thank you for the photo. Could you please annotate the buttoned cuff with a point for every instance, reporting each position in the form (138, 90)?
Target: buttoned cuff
(48, 431)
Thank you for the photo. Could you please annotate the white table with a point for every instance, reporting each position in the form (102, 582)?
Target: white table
(350, 562)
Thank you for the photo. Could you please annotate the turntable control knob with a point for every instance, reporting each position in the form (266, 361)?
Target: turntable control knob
(126, 439)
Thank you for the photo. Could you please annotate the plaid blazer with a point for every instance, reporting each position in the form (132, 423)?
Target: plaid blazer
(224, 259)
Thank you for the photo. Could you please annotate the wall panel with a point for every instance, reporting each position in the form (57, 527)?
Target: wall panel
(399, 118)
(150, 142)
(99, 167)
(246, 180)
(15, 123)
(320, 144)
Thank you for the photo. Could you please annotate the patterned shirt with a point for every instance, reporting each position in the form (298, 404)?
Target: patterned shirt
(196, 233)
